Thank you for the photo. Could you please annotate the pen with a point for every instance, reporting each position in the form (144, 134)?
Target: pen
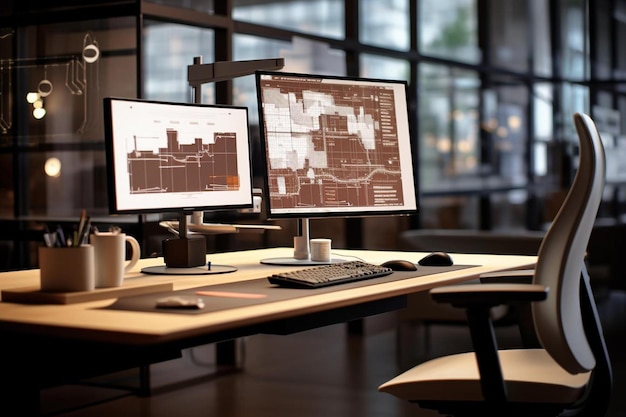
(82, 233)
(50, 239)
(60, 238)
(81, 224)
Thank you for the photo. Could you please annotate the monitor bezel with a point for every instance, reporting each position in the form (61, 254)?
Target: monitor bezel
(111, 168)
(390, 211)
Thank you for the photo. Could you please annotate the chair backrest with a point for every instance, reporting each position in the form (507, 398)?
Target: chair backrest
(560, 261)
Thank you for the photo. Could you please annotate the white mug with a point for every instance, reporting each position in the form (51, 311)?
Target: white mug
(110, 257)
(320, 250)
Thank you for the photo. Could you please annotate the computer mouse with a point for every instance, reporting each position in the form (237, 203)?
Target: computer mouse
(400, 265)
(180, 301)
(436, 259)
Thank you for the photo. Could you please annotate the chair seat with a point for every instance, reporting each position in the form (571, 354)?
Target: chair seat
(531, 376)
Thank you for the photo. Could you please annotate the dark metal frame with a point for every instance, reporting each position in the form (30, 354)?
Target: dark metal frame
(18, 14)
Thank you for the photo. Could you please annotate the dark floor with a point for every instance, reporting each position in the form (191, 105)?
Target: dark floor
(319, 373)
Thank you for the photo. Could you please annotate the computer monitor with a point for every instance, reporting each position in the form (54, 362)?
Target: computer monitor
(334, 146)
(177, 157)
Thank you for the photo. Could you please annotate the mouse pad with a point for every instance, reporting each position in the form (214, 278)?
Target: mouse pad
(253, 292)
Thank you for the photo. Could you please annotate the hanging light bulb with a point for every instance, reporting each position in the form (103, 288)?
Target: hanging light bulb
(39, 113)
(32, 96)
(52, 167)
(38, 110)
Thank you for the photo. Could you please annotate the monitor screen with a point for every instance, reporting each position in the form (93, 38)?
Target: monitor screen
(176, 156)
(335, 146)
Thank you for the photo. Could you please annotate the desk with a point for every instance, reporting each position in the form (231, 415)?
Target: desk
(44, 345)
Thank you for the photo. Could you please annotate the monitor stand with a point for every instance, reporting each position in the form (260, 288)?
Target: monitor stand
(186, 255)
(301, 250)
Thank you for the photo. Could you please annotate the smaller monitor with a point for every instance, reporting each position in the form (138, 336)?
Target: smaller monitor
(177, 157)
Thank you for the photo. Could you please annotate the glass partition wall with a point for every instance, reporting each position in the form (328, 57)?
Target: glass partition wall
(493, 84)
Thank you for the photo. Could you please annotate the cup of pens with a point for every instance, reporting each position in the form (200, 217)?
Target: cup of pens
(66, 268)
(66, 264)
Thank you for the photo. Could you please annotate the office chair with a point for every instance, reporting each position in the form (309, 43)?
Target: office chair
(571, 371)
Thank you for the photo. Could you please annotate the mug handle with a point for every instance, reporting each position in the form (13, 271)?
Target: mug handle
(134, 245)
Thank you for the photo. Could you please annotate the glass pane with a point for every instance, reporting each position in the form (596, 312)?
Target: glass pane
(448, 124)
(508, 34)
(6, 185)
(317, 17)
(62, 183)
(575, 54)
(542, 159)
(197, 5)
(449, 28)
(544, 124)
(374, 66)
(168, 49)
(67, 69)
(575, 99)
(504, 130)
(621, 107)
(385, 23)
(7, 76)
(621, 51)
(542, 51)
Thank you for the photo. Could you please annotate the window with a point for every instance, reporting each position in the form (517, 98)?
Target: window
(541, 40)
(449, 29)
(448, 127)
(574, 37)
(508, 34)
(197, 5)
(169, 49)
(385, 23)
(317, 17)
(374, 66)
(6, 185)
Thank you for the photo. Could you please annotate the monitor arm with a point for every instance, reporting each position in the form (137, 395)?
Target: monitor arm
(199, 73)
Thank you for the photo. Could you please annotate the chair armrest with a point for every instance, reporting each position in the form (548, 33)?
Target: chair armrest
(517, 276)
(466, 296)
(477, 301)
(519, 312)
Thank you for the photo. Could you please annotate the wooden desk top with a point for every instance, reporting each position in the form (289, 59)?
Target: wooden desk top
(84, 321)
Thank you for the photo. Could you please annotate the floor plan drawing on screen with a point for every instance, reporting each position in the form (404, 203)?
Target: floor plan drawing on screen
(331, 144)
(208, 163)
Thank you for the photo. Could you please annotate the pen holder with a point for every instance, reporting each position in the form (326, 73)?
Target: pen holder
(66, 269)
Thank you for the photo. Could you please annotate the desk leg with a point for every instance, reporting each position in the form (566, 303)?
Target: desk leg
(356, 327)
(226, 353)
(145, 387)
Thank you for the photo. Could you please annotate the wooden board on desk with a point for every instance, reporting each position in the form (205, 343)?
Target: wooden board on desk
(33, 295)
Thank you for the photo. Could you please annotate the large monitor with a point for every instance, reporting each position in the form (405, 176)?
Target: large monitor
(334, 146)
(180, 157)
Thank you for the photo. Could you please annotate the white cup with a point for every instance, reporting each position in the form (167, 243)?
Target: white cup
(320, 250)
(110, 257)
(66, 269)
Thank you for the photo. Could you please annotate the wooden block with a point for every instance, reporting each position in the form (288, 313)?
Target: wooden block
(33, 295)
